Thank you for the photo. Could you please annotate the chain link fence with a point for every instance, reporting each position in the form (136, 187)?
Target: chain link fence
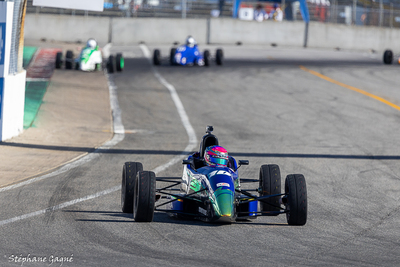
(364, 13)
(384, 13)
(149, 8)
(17, 44)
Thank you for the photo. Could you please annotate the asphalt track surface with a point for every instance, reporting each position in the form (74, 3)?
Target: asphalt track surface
(264, 108)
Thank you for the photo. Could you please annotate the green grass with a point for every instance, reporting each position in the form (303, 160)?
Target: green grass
(34, 92)
(29, 51)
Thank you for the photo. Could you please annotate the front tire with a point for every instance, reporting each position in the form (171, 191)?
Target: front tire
(58, 60)
(219, 56)
(129, 173)
(207, 57)
(388, 57)
(110, 64)
(156, 57)
(172, 56)
(296, 191)
(144, 196)
(119, 62)
(69, 60)
(270, 184)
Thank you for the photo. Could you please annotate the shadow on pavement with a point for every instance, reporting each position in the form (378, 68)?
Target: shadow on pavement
(177, 152)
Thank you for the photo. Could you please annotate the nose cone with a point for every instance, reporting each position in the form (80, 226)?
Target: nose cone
(224, 205)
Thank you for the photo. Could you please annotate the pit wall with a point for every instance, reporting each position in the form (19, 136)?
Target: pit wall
(13, 105)
(12, 86)
(131, 31)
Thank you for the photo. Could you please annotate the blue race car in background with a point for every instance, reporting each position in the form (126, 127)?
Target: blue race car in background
(188, 55)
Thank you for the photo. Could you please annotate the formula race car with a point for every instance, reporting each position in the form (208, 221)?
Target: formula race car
(388, 57)
(90, 59)
(188, 55)
(210, 190)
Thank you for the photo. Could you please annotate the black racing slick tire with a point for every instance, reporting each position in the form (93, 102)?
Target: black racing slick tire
(58, 60)
(129, 173)
(388, 57)
(270, 184)
(219, 56)
(144, 196)
(119, 62)
(156, 57)
(207, 57)
(110, 64)
(172, 56)
(69, 60)
(296, 206)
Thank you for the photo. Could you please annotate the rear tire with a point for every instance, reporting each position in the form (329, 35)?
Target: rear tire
(172, 56)
(119, 62)
(219, 56)
(156, 57)
(144, 196)
(296, 191)
(58, 60)
(207, 57)
(110, 64)
(388, 57)
(270, 184)
(129, 173)
(69, 60)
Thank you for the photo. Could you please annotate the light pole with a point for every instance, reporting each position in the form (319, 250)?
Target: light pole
(380, 13)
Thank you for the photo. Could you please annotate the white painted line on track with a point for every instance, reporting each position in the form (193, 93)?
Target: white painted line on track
(37, 79)
(181, 110)
(60, 206)
(119, 135)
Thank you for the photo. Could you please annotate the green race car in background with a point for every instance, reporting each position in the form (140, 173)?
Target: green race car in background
(90, 59)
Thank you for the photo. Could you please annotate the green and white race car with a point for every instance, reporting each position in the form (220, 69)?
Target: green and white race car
(90, 59)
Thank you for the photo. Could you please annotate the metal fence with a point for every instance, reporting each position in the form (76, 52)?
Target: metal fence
(148, 8)
(354, 14)
(384, 13)
(16, 53)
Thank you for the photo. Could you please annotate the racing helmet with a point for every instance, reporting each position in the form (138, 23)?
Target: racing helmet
(190, 41)
(91, 43)
(216, 156)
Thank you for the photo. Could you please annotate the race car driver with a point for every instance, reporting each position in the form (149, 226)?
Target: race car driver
(90, 58)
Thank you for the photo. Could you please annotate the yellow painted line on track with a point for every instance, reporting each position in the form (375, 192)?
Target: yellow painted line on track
(326, 78)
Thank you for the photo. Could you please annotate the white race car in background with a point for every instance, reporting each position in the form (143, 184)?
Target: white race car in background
(90, 59)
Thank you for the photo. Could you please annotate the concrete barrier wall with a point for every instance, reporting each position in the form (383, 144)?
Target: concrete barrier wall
(66, 28)
(130, 31)
(127, 31)
(352, 37)
(224, 31)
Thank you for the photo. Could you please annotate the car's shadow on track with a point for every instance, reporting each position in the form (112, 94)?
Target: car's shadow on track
(118, 217)
(159, 217)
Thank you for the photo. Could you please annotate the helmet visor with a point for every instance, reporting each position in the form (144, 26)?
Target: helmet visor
(219, 161)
